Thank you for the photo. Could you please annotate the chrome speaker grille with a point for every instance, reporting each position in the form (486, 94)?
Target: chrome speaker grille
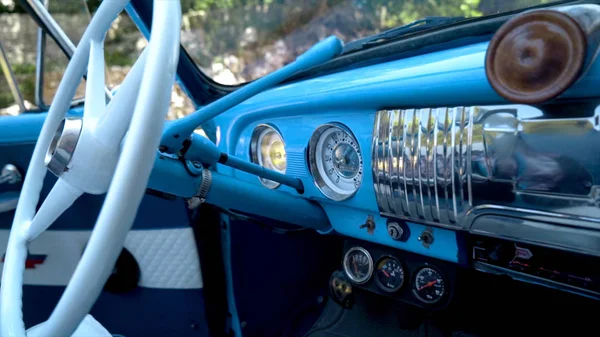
(449, 166)
(420, 163)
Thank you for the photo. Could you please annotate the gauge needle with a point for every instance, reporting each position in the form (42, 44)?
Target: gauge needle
(429, 284)
(355, 266)
(385, 273)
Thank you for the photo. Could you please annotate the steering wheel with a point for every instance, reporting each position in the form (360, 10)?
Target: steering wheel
(84, 154)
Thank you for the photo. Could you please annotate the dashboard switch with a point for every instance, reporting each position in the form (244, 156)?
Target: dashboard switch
(426, 237)
(369, 225)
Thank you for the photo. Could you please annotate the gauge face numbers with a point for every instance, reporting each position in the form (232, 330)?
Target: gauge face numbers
(358, 265)
(389, 274)
(336, 162)
(267, 149)
(429, 286)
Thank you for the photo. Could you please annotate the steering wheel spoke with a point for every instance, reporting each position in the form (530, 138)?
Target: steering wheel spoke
(60, 198)
(95, 99)
(92, 157)
(114, 123)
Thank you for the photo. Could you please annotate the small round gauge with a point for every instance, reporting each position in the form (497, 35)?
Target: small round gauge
(336, 162)
(267, 149)
(358, 265)
(429, 285)
(389, 274)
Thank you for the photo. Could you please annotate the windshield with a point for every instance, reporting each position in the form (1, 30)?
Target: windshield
(235, 41)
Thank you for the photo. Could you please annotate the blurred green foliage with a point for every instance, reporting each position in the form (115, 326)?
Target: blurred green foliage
(247, 28)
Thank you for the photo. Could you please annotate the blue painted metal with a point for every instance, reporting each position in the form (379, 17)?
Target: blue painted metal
(26, 127)
(252, 199)
(182, 128)
(170, 176)
(444, 78)
(202, 150)
(137, 20)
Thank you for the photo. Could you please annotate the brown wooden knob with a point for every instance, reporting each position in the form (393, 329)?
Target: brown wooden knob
(536, 56)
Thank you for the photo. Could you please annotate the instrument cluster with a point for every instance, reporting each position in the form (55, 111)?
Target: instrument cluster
(401, 275)
(333, 158)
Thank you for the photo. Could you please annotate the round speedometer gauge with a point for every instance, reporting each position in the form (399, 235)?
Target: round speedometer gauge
(335, 161)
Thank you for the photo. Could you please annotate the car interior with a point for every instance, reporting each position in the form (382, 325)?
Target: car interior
(313, 168)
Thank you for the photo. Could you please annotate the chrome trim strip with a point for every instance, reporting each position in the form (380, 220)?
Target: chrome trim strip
(453, 214)
(462, 172)
(469, 155)
(405, 158)
(388, 164)
(39, 64)
(397, 191)
(419, 160)
(53, 27)
(573, 239)
(434, 164)
(489, 268)
(390, 167)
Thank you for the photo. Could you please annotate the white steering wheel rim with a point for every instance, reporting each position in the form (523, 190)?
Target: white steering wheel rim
(130, 177)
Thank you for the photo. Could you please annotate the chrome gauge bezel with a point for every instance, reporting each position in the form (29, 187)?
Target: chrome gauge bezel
(442, 277)
(376, 277)
(257, 134)
(346, 265)
(323, 183)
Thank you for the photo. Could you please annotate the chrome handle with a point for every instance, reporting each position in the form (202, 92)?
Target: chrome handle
(8, 201)
(10, 174)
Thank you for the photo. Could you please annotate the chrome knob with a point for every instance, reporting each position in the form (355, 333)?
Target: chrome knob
(10, 174)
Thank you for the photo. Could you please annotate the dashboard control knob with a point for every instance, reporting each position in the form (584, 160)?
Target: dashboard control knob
(395, 230)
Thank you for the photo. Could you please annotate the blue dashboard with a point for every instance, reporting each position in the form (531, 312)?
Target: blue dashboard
(453, 77)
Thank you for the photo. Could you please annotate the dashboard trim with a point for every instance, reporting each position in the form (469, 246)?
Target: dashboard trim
(491, 269)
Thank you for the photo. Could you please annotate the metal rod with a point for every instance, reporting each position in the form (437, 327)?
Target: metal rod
(53, 28)
(11, 79)
(39, 69)
(262, 172)
(206, 152)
